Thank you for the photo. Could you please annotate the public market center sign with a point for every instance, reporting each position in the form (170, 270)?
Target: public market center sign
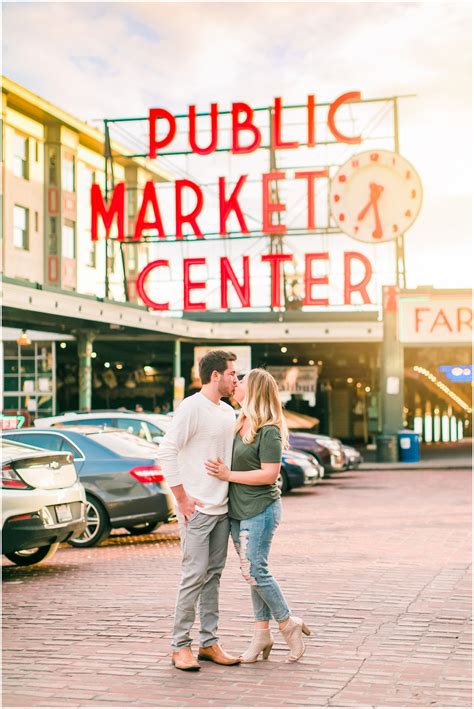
(374, 197)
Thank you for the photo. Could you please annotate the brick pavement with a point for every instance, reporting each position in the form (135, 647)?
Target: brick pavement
(376, 562)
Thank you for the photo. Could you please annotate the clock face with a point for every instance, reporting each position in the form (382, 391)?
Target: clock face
(375, 196)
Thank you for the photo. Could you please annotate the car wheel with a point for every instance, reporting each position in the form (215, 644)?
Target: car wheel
(282, 482)
(98, 524)
(27, 557)
(145, 528)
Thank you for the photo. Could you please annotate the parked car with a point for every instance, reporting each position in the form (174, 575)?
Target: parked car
(297, 470)
(150, 427)
(327, 451)
(123, 480)
(353, 457)
(43, 503)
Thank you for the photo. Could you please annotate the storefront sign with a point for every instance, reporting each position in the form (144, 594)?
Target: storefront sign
(436, 318)
(8, 423)
(296, 380)
(457, 373)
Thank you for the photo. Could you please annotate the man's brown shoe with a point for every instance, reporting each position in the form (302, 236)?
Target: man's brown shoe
(184, 659)
(215, 653)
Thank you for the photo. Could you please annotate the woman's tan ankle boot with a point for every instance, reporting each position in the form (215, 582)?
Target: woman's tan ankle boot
(262, 642)
(293, 631)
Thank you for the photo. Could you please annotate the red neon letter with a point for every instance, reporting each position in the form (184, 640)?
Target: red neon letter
(310, 281)
(468, 321)
(116, 209)
(191, 217)
(149, 197)
(227, 274)
(246, 124)
(268, 207)
(276, 132)
(417, 317)
(349, 287)
(352, 96)
(155, 144)
(141, 285)
(192, 131)
(441, 319)
(275, 260)
(190, 285)
(311, 126)
(311, 176)
(226, 206)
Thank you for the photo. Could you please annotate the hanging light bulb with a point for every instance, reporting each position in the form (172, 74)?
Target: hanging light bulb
(23, 340)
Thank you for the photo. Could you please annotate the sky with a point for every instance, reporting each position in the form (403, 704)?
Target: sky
(99, 60)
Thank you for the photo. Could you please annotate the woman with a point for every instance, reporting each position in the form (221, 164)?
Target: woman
(255, 508)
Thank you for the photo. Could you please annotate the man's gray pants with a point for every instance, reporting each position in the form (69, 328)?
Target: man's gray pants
(204, 542)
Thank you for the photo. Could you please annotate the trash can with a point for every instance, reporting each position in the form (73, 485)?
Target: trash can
(408, 446)
(387, 451)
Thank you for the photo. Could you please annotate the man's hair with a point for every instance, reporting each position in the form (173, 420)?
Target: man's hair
(214, 361)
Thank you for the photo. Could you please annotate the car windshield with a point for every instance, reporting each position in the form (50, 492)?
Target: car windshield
(125, 444)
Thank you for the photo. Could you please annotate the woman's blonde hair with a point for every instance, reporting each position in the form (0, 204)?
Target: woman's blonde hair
(262, 406)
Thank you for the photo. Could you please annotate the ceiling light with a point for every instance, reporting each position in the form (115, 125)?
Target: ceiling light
(295, 360)
(23, 340)
(311, 362)
(367, 389)
(283, 349)
(106, 365)
(93, 355)
(118, 365)
(62, 345)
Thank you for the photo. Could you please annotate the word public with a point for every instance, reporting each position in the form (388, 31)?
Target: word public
(246, 137)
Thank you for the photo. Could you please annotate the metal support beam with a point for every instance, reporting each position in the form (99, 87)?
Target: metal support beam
(392, 369)
(85, 339)
(177, 359)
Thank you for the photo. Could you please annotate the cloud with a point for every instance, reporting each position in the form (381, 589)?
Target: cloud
(118, 59)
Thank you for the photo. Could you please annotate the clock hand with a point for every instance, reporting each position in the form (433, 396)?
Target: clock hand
(375, 192)
(377, 233)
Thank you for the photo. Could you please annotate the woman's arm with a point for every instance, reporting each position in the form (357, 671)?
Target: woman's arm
(266, 475)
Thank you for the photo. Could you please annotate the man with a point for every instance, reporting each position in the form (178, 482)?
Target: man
(202, 428)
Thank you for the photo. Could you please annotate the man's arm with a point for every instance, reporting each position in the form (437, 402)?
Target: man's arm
(183, 427)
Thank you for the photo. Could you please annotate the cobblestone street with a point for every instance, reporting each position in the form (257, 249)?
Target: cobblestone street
(376, 562)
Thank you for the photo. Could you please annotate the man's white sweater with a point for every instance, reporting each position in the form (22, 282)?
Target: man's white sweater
(200, 430)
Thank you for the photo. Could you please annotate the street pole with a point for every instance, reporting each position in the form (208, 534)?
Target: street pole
(85, 339)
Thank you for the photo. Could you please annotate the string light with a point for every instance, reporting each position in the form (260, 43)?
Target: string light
(441, 385)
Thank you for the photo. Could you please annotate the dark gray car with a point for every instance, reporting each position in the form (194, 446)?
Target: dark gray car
(120, 473)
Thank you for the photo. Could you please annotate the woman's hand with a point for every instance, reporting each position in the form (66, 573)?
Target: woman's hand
(218, 469)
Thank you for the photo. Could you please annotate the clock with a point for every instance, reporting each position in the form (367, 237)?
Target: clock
(375, 196)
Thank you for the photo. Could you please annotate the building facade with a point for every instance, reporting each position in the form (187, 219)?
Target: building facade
(369, 375)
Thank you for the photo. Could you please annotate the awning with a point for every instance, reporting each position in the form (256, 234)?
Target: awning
(295, 420)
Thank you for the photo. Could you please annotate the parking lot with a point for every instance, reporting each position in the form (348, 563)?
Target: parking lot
(377, 562)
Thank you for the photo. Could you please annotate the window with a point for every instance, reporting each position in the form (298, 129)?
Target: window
(142, 429)
(20, 227)
(92, 259)
(111, 255)
(69, 239)
(50, 441)
(20, 156)
(68, 180)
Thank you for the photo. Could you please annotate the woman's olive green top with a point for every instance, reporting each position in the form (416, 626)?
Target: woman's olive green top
(246, 501)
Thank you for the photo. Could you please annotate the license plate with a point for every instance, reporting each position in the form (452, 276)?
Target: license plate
(64, 513)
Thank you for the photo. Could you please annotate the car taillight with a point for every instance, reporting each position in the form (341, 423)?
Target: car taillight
(147, 474)
(292, 461)
(11, 480)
